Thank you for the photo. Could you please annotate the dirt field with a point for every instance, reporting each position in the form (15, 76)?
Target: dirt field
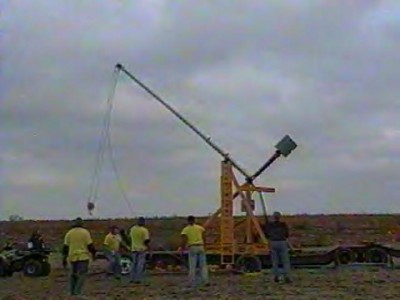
(343, 284)
(306, 230)
(309, 284)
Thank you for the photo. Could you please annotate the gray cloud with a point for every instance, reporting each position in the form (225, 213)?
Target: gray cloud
(245, 73)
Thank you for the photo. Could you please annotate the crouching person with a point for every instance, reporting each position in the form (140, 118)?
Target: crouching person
(193, 239)
(140, 243)
(78, 249)
(111, 247)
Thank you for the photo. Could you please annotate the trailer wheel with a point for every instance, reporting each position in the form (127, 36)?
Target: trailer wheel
(248, 264)
(376, 255)
(126, 264)
(344, 256)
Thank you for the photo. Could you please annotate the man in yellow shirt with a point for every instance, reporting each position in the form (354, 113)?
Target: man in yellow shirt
(78, 248)
(111, 245)
(140, 243)
(193, 238)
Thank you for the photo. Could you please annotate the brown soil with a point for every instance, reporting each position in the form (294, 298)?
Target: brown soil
(308, 284)
(360, 283)
(320, 230)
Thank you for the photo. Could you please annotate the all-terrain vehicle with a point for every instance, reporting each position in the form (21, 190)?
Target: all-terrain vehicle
(33, 263)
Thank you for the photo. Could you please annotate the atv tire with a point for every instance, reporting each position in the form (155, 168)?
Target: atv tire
(33, 268)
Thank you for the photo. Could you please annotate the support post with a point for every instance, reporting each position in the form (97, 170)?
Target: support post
(226, 219)
(249, 231)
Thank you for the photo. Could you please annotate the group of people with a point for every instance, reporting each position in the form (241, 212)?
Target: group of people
(79, 250)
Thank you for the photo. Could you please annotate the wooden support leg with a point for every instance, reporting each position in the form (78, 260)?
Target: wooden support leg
(250, 212)
(249, 231)
(212, 218)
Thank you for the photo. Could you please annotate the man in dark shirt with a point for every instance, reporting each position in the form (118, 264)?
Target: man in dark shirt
(277, 233)
(36, 242)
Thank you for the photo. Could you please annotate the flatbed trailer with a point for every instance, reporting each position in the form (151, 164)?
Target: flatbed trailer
(174, 262)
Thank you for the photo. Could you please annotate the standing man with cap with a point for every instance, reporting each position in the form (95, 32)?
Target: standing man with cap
(140, 243)
(78, 249)
(193, 238)
(277, 232)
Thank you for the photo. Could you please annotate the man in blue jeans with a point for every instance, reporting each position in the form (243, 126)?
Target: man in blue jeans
(277, 232)
(140, 243)
(193, 238)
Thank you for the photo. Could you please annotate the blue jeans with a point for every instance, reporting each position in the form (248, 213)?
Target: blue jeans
(138, 264)
(77, 278)
(114, 260)
(197, 258)
(280, 254)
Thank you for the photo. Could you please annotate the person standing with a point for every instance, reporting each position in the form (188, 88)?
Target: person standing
(140, 243)
(112, 243)
(192, 237)
(277, 232)
(78, 248)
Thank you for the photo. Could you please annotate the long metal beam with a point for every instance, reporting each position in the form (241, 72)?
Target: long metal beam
(205, 138)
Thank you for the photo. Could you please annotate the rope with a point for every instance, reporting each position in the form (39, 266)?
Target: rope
(105, 144)
(93, 192)
(115, 171)
(263, 204)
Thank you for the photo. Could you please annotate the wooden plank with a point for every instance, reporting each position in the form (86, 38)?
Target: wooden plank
(251, 188)
(212, 218)
(253, 218)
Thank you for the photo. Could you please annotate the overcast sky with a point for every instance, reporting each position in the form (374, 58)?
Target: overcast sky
(245, 72)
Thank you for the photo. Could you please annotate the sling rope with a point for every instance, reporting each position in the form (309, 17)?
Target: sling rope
(104, 145)
(263, 204)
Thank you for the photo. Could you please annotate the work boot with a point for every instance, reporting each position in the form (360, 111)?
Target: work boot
(205, 285)
(288, 280)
